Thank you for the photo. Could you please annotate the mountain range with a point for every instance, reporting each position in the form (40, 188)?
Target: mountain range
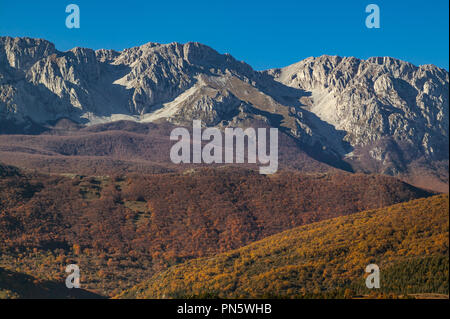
(380, 115)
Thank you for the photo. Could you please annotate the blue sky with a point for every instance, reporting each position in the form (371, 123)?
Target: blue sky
(263, 33)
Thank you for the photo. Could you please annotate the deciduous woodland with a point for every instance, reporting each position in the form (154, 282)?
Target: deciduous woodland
(408, 241)
(123, 229)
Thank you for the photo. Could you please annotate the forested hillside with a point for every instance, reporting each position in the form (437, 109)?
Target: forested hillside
(408, 241)
(122, 229)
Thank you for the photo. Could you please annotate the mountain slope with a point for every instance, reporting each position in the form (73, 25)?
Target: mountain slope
(324, 258)
(392, 111)
(121, 147)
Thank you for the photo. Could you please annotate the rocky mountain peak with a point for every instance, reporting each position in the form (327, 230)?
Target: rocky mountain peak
(21, 53)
